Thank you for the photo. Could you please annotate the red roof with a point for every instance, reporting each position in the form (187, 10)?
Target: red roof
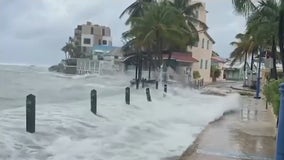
(181, 57)
(217, 59)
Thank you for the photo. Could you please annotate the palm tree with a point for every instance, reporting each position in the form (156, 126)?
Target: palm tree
(189, 11)
(263, 24)
(158, 29)
(245, 46)
(65, 50)
(136, 9)
(160, 26)
(72, 49)
(271, 11)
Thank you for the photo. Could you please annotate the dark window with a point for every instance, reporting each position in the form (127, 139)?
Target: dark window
(206, 64)
(201, 63)
(79, 27)
(100, 42)
(203, 43)
(103, 31)
(87, 41)
(92, 30)
(208, 44)
(104, 42)
(115, 57)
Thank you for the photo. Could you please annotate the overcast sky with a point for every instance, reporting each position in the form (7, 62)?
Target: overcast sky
(34, 31)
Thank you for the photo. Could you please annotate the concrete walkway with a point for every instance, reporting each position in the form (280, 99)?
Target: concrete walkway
(247, 134)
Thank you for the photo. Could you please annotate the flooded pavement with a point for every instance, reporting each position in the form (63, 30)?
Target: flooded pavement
(245, 134)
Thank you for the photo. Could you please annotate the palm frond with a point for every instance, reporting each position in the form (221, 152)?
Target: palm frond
(244, 7)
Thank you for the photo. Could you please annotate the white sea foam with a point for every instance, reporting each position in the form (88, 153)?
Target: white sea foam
(140, 131)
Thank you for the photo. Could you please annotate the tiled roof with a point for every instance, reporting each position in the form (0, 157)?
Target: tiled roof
(181, 57)
(217, 59)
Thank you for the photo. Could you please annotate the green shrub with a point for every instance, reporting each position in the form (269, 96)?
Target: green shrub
(272, 94)
(196, 75)
(215, 72)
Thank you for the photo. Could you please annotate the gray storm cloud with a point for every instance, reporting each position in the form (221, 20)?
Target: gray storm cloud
(34, 31)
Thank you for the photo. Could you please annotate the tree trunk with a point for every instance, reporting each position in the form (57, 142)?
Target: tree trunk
(246, 57)
(274, 69)
(149, 76)
(252, 61)
(281, 36)
(136, 69)
(140, 69)
(251, 69)
(245, 70)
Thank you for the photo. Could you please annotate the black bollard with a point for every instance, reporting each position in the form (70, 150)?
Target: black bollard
(127, 95)
(94, 101)
(30, 113)
(148, 94)
(157, 85)
(165, 88)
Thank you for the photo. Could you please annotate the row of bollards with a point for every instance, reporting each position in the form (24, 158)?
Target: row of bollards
(31, 105)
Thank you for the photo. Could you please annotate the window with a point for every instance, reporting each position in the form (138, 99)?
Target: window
(203, 43)
(208, 44)
(84, 49)
(201, 63)
(206, 64)
(92, 30)
(104, 42)
(87, 41)
(100, 42)
(103, 32)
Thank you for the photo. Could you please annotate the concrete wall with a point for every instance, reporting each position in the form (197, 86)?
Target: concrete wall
(203, 55)
(97, 31)
(203, 51)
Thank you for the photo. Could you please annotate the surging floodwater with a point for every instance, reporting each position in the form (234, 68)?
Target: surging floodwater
(66, 129)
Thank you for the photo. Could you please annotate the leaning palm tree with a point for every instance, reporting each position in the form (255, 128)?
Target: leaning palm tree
(245, 46)
(271, 10)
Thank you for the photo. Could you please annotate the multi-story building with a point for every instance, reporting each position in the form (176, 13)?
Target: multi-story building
(202, 50)
(89, 35)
